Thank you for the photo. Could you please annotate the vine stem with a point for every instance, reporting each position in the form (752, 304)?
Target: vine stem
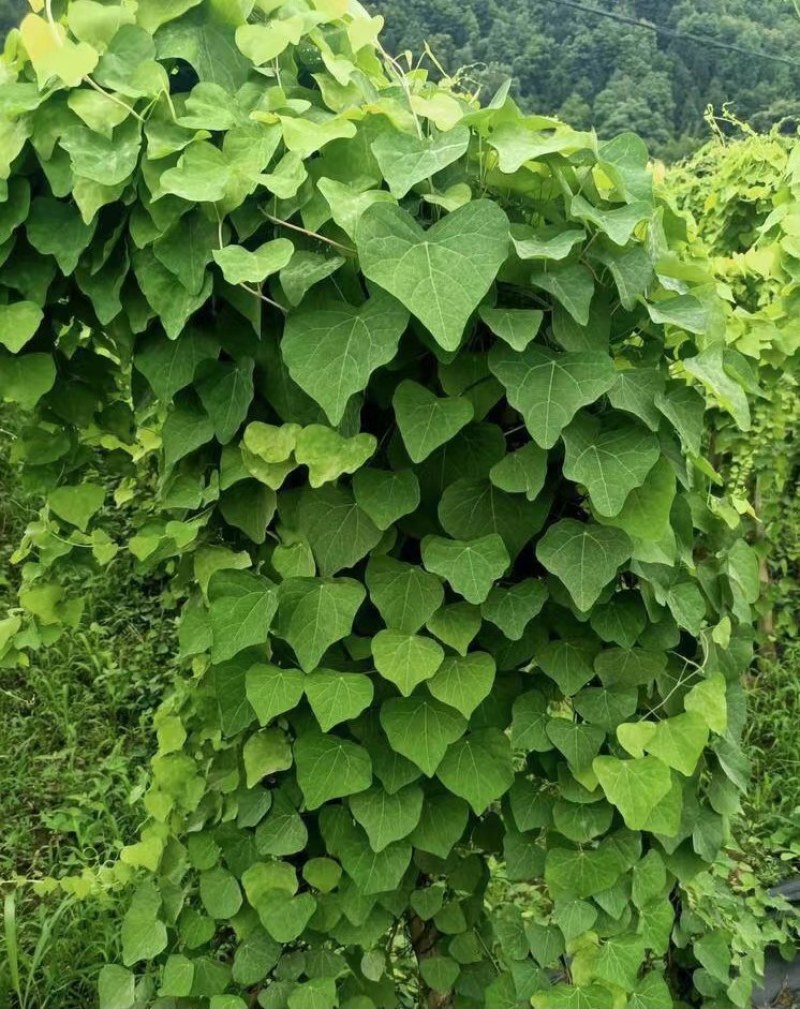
(113, 98)
(310, 234)
(403, 81)
(48, 10)
(263, 297)
(424, 942)
(682, 681)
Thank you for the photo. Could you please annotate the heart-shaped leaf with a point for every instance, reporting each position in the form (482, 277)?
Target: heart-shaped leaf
(578, 742)
(610, 459)
(516, 326)
(337, 697)
(387, 818)
(708, 699)
(521, 472)
(456, 625)
(328, 455)
(314, 613)
(331, 352)
(329, 767)
(585, 557)
(421, 729)
(242, 608)
(440, 275)
(463, 681)
(406, 659)
(548, 389)
(405, 159)
(240, 266)
(512, 609)
(271, 691)
(470, 566)
(18, 324)
(572, 286)
(479, 768)
(582, 872)
(425, 421)
(405, 595)
(679, 741)
(386, 496)
(635, 786)
(78, 503)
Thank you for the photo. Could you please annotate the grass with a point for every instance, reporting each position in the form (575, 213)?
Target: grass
(76, 735)
(771, 819)
(75, 743)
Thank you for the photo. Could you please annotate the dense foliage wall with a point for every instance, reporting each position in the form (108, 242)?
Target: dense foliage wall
(744, 197)
(407, 396)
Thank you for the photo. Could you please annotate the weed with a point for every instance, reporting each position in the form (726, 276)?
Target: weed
(74, 749)
(771, 815)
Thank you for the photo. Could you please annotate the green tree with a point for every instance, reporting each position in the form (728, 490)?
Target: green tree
(11, 13)
(553, 52)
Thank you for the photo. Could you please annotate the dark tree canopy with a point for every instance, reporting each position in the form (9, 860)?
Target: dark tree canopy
(594, 71)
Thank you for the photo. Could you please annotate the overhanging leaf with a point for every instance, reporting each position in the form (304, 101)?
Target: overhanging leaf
(331, 352)
(548, 389)
(314, 613)
(471, 567)
(584, 557)
(635, 786)
(440, 275)
(425, 420)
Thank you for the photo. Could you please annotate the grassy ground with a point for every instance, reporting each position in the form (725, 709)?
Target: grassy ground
(76, 735)
(74, 747)
(771, 824)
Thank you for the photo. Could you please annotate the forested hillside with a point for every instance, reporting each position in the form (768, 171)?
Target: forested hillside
(10, 12)
(595, 70)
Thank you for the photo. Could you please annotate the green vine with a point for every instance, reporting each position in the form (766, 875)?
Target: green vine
(403, 394)
(744, 196)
